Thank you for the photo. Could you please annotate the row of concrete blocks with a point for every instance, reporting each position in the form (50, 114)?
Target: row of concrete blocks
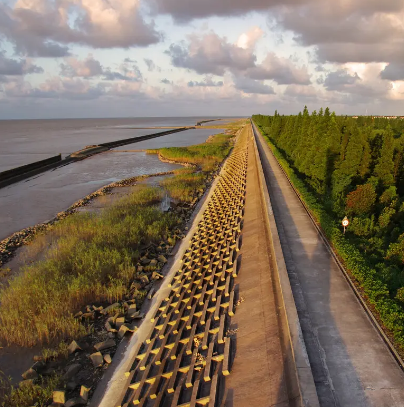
(182, 361)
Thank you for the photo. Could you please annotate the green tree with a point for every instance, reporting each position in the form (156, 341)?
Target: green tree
(362, 200)
(384, 169)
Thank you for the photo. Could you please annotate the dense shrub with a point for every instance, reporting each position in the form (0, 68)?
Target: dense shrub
(374, 254)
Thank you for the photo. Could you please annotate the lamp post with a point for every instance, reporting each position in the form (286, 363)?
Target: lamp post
(345, 223)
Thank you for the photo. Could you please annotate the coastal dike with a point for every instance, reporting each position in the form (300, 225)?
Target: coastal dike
(223, 327)
(26, 171)
(20, 173)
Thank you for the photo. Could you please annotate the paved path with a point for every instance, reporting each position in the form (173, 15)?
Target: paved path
(258, 373)
(351, 365)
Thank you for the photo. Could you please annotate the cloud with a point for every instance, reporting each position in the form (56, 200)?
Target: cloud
(84, 69)
(281, 70)
(90, 67)
(46, 27)
(252, 86)
(166, 81)
(151, 66)
(55, 88)
(393, 72)
(207, 82)
(299, 91)
(349, 31)
(358, 82)
(210, 54)
(338, 80)
(185, 10)
(14, 67)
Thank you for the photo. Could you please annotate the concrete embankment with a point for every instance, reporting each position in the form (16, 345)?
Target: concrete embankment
(131, 140)
(271, 366)
(218, 330)
(351, 364)
(20, 173)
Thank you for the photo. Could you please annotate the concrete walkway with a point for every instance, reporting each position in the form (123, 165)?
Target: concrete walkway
(258, 373)
(351, 365)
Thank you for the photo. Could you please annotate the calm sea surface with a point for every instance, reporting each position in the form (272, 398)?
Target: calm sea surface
(40, 198)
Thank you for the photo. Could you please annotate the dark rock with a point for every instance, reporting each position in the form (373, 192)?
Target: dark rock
(84, 392)
(71, 385)
(109, 343)
(97, 359)
(77, 401)
(119, 322)
(30, 374)
(71, 371)
(162, 259)
(110, 308)
(73, 347)
(122, 331)
(107, 358)
(157, 276)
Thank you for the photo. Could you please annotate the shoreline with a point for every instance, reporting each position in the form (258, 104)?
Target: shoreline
(12, 243)
(185, 210)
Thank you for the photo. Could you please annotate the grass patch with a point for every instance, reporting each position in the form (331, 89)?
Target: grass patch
(183, 187)
(29, 394)
(206, 155)
(187, 183)
(92, 259)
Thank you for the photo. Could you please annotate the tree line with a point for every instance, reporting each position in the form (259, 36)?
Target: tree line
(354, 167)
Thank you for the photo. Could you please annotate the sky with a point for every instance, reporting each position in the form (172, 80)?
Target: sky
(137, 58)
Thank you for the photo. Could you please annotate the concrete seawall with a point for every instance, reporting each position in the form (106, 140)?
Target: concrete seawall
(20, 173)
(26, 171)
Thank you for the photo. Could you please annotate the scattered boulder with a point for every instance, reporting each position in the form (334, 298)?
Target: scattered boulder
(73, 347)
(84, 392)
(59, 396)
(136, 285)
(157, 276)
(71, 371)
(107, 358)
(71, 385)
(109, 328)
(30, 374)
(119, 322)
(88, 315)
(144, 261)
(97, 359)
(77, 401)
(153, 262)
(162, 259)
(109, 343)
(144, 279)
(122, 331)
(110, 308)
